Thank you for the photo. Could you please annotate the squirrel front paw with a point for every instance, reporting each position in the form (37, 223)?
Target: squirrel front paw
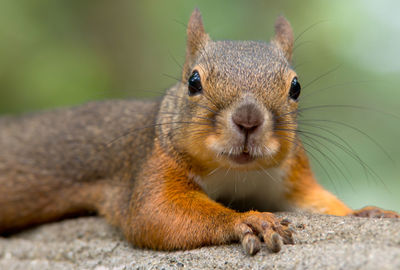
(252, 225)
(375, 212)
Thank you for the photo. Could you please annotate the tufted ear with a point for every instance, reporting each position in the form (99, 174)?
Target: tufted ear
(284, 36)
(197, 38)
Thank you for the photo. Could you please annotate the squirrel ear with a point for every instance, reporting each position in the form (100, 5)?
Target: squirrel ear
(284, 36)
(196, 37)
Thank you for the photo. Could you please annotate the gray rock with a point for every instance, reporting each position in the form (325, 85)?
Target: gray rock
(322, 242)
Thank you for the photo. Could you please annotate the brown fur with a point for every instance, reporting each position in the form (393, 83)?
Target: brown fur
(140, 164)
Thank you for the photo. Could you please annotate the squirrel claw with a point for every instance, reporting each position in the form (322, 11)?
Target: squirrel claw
(251, 244)
(274, 232)
(374, 212)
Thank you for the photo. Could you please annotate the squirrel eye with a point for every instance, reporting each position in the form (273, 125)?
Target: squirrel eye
(295, 88)
(194, 84)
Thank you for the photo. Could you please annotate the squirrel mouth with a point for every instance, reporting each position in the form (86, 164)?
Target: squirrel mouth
(242, 158)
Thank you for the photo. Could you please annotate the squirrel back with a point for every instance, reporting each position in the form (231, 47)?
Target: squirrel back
(45, 154)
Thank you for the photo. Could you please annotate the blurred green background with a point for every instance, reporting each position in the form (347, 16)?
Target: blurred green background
(65, 52)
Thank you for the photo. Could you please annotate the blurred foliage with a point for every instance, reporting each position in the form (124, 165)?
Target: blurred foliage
(61, 53)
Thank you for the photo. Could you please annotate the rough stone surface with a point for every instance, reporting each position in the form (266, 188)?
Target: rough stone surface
(323, 242)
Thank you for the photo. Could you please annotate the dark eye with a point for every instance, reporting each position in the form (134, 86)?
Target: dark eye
(295, 88)
(194, 84)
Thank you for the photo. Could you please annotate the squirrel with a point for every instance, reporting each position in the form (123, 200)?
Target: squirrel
(204, 165)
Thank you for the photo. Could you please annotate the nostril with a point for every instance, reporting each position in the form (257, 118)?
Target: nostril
(247, 118)
(246, 128)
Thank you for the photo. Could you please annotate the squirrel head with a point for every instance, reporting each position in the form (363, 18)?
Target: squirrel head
(236, 104)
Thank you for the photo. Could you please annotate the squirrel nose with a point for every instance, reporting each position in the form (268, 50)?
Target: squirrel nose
(247, 118)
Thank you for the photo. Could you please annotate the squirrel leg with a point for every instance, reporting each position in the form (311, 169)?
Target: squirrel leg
(28, 199)
(305, 193)
(319, 200)
(169, 211)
